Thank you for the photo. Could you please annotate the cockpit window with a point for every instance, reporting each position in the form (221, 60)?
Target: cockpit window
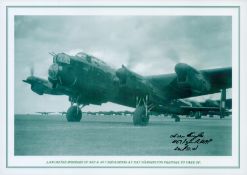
(90, 58)
(99, 61)
(81, 54)
(84, 56)
(62, 58)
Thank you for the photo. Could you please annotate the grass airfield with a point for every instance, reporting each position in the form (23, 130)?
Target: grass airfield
(116, 136)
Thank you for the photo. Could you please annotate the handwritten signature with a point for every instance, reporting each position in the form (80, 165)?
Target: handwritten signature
(189, 142)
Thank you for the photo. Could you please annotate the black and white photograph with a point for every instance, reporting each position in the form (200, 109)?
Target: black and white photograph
(108, 85)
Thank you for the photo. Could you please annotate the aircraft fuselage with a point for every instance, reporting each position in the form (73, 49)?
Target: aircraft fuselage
(92, 81)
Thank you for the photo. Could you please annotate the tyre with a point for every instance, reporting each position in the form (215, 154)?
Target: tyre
(74, 114)
(177, 119)
(198, 115)
(139, 117)
(192, 114)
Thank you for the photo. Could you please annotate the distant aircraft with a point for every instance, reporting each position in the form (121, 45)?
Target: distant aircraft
(113, 112)
(88, 80)
(224, 105)
(44, 113)
(216, 103)
(63, 113)
(192, 108)
(209, 107)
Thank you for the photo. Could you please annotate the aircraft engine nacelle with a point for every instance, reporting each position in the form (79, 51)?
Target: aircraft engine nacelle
(189, 77)
(37, 89)
(122, 75)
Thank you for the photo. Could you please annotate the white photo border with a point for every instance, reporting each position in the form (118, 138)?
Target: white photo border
(178, 161)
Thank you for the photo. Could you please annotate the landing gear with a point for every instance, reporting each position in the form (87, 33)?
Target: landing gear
(74, 114)
(176, 117)
(141, 114)
(139, 117)
(198, 115)
(222, 103)
(192, 114)
(211, 115)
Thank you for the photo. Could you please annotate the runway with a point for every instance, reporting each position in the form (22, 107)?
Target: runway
(116, 136)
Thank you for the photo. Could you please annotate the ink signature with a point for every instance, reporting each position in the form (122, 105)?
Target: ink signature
(189, 142)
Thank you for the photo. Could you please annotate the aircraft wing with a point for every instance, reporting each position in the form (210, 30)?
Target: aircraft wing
(42, 86)
(189, 82)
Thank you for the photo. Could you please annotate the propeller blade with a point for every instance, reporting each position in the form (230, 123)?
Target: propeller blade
(32, 71)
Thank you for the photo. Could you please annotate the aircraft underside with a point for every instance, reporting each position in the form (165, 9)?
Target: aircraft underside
(143, 108)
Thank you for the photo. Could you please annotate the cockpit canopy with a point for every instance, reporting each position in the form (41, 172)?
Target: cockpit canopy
(81, 56)
(90, 58)
(84, 56)
(61, 58)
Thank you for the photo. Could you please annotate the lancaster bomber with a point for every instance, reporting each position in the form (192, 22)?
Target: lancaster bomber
(86, 80)
(192, 108)
(44, 113)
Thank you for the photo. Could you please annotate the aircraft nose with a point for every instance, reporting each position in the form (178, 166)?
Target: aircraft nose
(53, 72)
(28, 80)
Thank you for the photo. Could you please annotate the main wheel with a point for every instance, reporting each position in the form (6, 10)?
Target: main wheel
(139, 116)
(198, 115)
(192, 114)
(74, 114)
(176, 117)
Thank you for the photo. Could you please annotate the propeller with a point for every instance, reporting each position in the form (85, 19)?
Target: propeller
(31, 71)
(30, 78)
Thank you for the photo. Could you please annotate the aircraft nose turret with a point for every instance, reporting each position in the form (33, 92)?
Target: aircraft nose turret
(53, 72)
(28, 80)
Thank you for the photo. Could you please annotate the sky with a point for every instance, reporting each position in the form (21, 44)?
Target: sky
(148, 45)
